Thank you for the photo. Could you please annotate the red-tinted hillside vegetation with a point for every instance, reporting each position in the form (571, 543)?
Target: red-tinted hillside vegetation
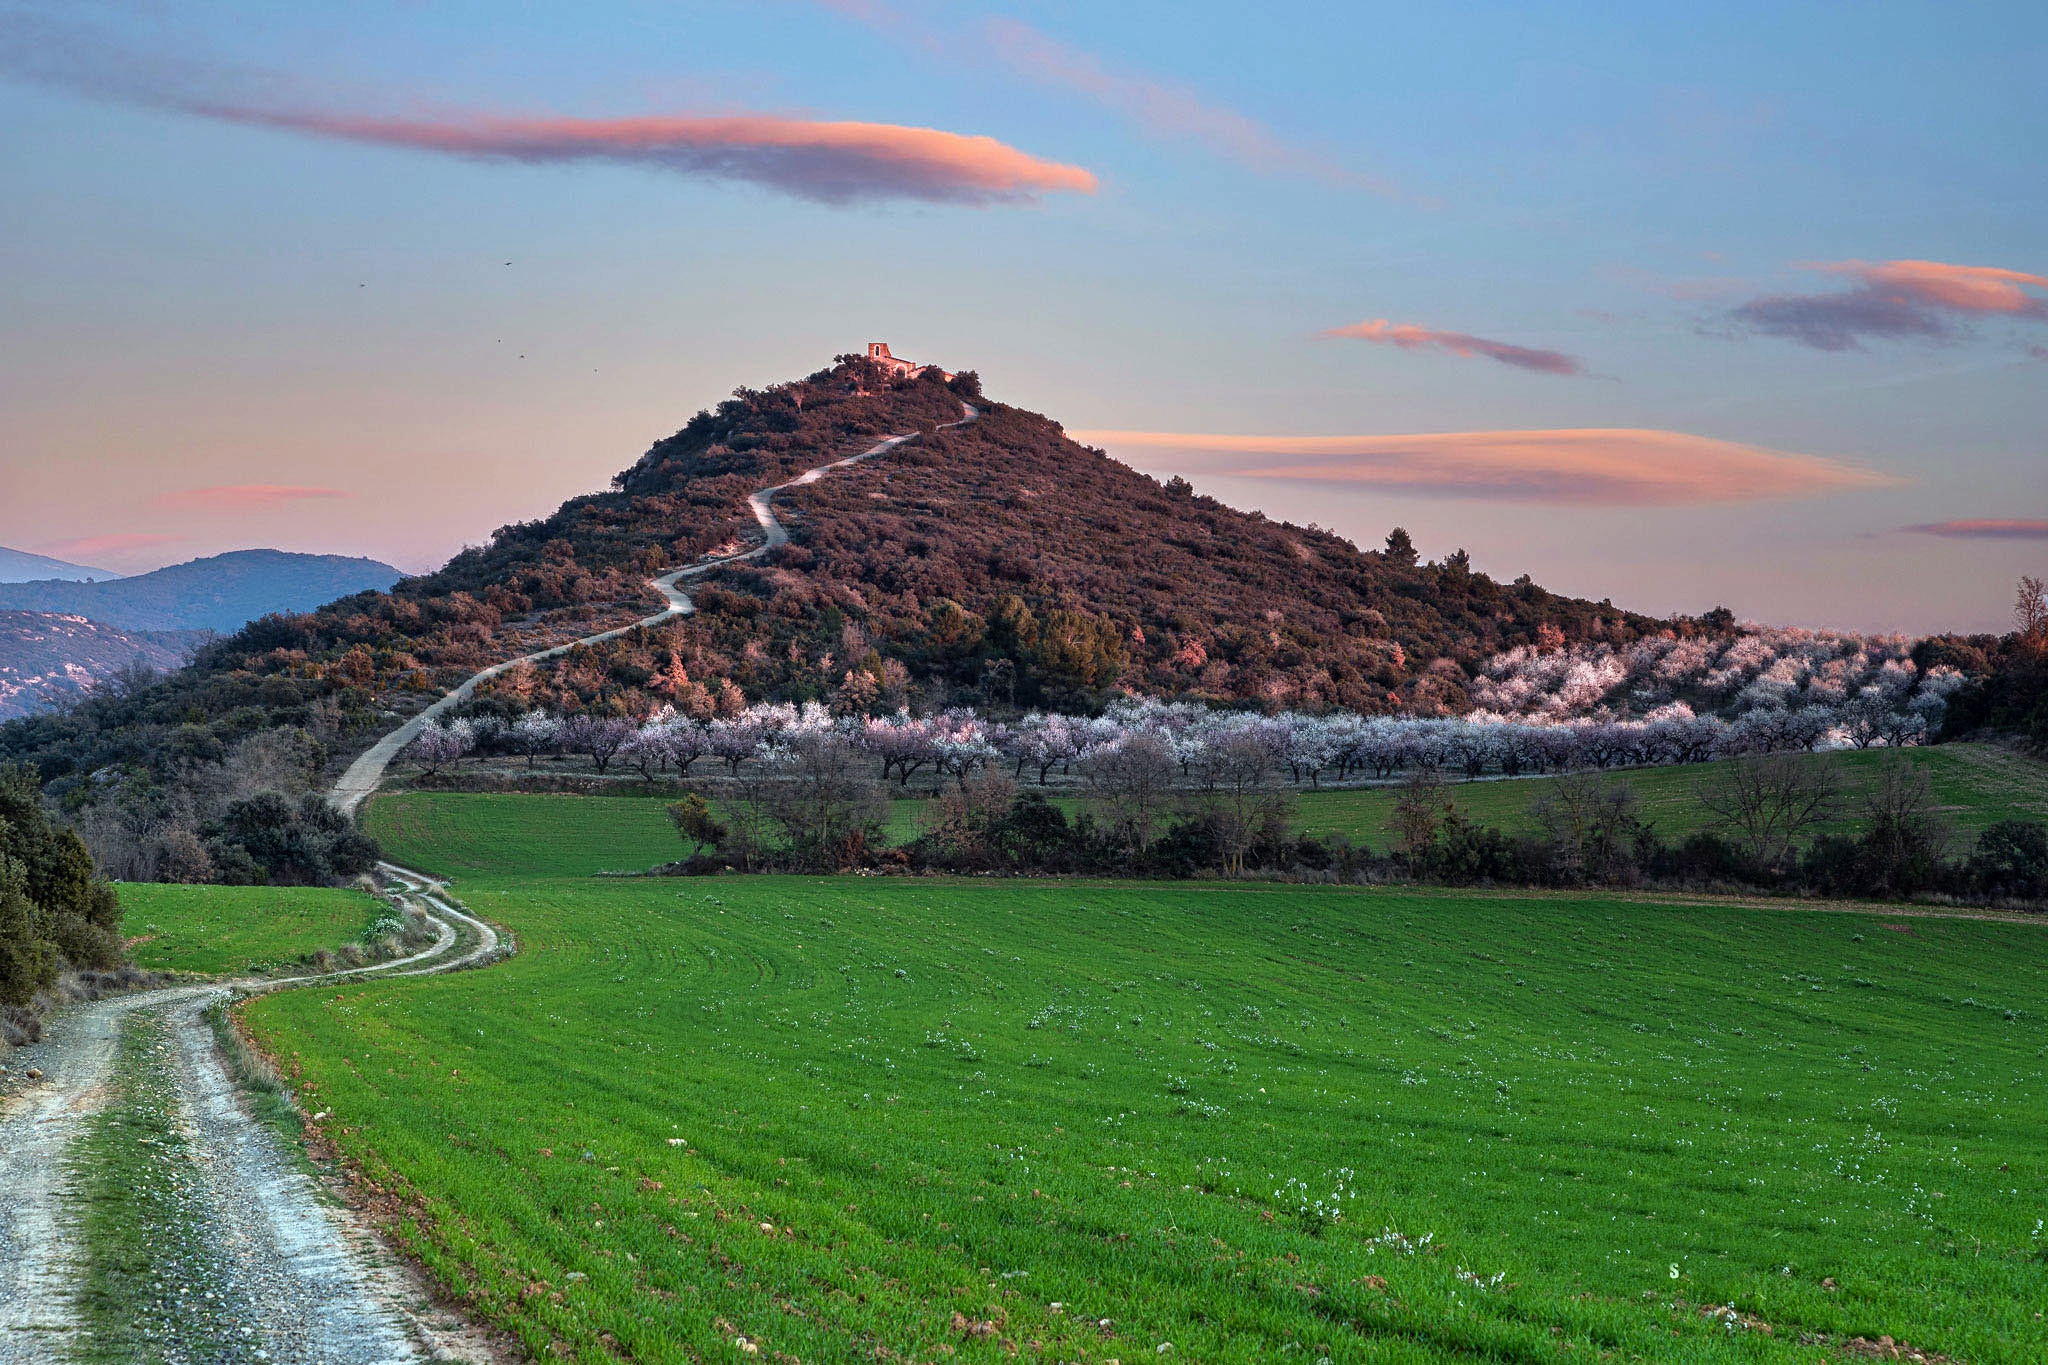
(997, 560)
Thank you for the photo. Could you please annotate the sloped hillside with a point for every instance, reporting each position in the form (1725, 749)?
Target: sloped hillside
(48, 660)
(19, 566)
(997, 561)
(1000, 562)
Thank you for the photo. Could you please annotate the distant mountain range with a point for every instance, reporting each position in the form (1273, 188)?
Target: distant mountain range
(47, 660)
(19, 566)
(219, 593)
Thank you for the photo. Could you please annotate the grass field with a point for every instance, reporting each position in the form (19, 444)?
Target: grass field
(919, 1120)
(456, 834)
(1977, 785)
(220, 929)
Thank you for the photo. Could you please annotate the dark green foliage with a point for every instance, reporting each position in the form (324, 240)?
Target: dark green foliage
(268, 839)
(54, 909)
(2011, 697)
(693, 821)
(2011, 860)
(28, 961)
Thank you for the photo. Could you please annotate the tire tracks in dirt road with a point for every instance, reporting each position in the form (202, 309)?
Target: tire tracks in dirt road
(308, 1272)
(311, 1279)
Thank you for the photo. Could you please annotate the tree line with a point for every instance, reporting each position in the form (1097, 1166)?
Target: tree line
(1779, 825)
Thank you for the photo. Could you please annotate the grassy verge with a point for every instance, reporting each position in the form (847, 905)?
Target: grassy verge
(1084, 1120)
(217, 930)
(149, 1292)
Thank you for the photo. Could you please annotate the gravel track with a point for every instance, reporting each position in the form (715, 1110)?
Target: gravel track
(313, 1281)
(293, 1276)
(364, 775)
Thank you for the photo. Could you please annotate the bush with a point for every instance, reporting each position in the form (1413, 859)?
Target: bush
(267, 839)
(2011, 861)
(54, 909)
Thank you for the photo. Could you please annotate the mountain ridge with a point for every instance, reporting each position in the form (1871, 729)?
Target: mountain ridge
(48, 659)
(20, 566)
(220, 592)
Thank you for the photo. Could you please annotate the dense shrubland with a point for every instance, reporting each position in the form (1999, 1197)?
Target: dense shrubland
(946, 573)
(56, 913)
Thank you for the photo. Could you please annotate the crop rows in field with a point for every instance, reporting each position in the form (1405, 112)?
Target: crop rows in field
(1086, 1120)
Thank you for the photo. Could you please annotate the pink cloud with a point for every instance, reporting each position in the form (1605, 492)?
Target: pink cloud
(1410, 337)
(1592, 467)
(120, 542)
(828, 162)
(1985, 528)
(1894, 299)
(243, 497)
(824, 161)
(1964, 288)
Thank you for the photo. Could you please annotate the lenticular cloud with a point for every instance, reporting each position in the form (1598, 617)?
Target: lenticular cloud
(1584, 467)
(828, 162)
(825, 161)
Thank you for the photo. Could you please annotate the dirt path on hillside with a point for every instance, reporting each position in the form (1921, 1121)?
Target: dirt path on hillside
(367, 772)
(294, 1275)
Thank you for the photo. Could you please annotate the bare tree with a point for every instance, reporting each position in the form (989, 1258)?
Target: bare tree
(1905, 832)
(1241, 796)
(743, 803)
(267, 761)
(1421, 811)
(1130, 784)
(826, 798)
(2030, 609)
(962, 816)
(1770, 802)
(1590, 824)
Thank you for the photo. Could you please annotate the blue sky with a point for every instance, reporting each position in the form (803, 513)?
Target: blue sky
(254, 281)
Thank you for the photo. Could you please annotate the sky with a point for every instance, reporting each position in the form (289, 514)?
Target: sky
(1742, 307)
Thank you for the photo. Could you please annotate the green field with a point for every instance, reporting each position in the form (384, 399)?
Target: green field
(1976, 784)
(454, 834)
(221, 929)
(460, 834)
(824, 1116)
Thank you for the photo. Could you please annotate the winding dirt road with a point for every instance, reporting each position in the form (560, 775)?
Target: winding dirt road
(364, 775)
(309, 1281)
(287, 1274)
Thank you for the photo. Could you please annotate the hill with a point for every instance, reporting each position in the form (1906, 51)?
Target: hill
(220, 592)
(48, 660)
(997, 561)
(19, 566)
